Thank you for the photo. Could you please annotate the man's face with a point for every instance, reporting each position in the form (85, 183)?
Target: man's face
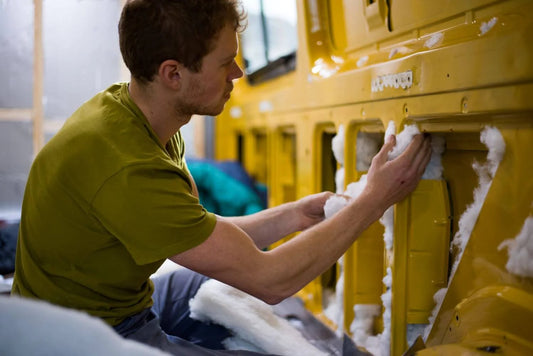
(206, 92)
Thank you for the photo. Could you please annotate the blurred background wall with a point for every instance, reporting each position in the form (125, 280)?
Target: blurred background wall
(55, 55)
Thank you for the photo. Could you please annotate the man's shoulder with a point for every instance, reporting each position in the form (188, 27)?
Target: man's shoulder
(102, 108)
(99, 139)
(105, 122)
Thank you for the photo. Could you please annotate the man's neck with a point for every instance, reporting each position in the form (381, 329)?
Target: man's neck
(156, 105)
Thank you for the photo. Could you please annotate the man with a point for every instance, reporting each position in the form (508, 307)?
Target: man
(109, 198)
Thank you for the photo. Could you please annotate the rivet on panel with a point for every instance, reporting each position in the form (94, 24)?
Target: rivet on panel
(405, 110)
(363, 113)
(464, 105)
(440, 221)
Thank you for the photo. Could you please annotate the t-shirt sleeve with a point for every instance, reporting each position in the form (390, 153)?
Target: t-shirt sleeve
(152, 212)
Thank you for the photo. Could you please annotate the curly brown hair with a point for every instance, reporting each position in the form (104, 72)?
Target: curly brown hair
(152, 31)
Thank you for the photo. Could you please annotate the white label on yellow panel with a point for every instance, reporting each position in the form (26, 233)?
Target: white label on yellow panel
(401, 80)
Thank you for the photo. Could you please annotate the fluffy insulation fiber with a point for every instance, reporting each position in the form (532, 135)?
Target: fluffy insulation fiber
(521, 251)
(252, 320)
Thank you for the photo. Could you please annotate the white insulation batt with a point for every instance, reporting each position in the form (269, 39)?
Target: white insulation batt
(252, 320)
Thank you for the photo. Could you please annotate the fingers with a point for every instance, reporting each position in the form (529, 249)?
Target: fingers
(416, 152)
(423, 159)
(414, 147)
(344, 196)
(382, 156)
(325, 196)
(415, 158)
(422, 155)
(389, 145)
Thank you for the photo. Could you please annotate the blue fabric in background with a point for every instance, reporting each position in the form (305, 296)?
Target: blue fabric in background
(226, 189)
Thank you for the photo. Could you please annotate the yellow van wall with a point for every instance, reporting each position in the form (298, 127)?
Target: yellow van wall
(451, 67)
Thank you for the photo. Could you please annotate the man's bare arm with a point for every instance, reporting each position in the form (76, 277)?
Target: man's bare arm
(232, 257)
(270, 225)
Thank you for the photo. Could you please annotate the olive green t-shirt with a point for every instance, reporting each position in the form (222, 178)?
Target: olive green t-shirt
(105, 204)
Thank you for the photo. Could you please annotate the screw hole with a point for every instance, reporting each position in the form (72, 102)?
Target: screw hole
(490, 349)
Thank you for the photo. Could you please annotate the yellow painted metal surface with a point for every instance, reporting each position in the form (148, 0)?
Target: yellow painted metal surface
(364, 269)
(481, 272)
(420, 263)
(450, 67)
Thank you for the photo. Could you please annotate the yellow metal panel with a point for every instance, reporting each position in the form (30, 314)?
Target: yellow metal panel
(324, 172)
(508, 204)
(496, 318)
(325, 164)
(284, 166)
(364, 262)
(418, 13)
(363, 268)
(428, 244)
(420, 268)
(255, 154)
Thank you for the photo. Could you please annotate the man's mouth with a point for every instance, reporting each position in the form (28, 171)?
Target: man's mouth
(227, 94)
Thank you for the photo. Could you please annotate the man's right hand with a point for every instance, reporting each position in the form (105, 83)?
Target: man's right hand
(391, 181)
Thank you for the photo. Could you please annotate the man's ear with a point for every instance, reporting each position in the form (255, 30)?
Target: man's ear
(170, 73)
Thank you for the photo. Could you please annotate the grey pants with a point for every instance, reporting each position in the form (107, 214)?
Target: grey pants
(168, 326)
